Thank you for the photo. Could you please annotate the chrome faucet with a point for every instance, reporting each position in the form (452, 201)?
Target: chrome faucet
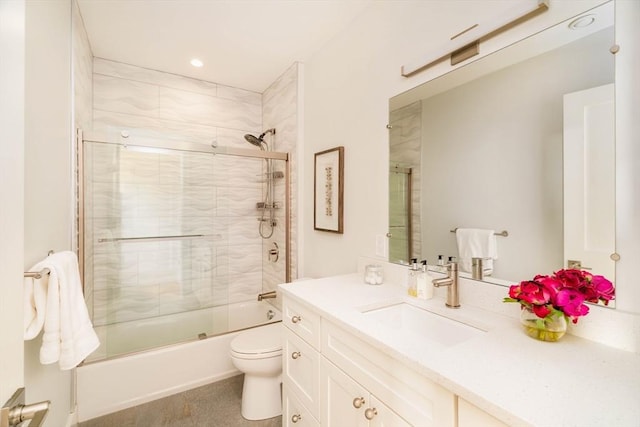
(265, 295)
(451, 281)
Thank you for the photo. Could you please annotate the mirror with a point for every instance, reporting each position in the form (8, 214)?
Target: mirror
(487, 146)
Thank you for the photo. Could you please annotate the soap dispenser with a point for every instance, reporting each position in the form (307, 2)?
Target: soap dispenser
(441, 266)
(424, 286)
(412, 278)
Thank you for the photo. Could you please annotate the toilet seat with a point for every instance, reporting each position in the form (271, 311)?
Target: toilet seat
(259, 343)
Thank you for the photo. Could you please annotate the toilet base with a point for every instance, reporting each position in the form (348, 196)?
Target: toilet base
(261, 397)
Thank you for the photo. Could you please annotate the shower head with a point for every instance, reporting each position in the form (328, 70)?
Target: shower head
(259, 141)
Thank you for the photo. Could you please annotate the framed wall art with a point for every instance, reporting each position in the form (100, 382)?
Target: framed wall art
(329, 190)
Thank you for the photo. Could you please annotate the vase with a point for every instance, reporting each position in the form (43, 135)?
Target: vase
(551, 328)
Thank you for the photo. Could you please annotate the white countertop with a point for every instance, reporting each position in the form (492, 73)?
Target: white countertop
(517, 379)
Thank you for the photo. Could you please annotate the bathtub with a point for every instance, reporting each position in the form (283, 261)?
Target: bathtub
(115, 384)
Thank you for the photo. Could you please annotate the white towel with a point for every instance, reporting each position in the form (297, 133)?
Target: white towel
(56, 303)
(476, 243)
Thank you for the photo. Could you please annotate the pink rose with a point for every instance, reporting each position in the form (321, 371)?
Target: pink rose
(571, 303)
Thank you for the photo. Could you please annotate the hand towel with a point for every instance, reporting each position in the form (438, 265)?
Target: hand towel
(56, 303)
(476, 243)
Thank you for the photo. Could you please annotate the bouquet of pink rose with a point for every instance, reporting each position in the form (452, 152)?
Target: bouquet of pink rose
(565, 292)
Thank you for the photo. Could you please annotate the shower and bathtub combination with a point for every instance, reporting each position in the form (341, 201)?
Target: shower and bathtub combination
(178, 240)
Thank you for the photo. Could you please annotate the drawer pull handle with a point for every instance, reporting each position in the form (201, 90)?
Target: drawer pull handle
(369, 413)
(296, 319)
(295, 418)
(295, 355)
(358, 402)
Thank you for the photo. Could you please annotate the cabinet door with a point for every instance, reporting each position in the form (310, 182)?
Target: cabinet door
(301, 371)
(472, 416)
(382, 416)
(343, 401)
(294, 413)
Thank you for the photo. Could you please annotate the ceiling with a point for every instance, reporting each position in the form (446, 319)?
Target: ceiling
(243, 43)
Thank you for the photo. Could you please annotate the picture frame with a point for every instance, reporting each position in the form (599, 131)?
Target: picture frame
(328, 190)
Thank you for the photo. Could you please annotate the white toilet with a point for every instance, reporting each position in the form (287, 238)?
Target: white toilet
(258, 353)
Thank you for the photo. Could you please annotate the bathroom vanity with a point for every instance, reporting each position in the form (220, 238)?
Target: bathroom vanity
(361, 355)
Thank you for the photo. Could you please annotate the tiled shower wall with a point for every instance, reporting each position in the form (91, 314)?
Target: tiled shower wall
(280, 111)
(82, 63)
(405, 151)
(149, 102)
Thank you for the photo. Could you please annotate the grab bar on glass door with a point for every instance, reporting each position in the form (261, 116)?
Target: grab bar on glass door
(184, 236)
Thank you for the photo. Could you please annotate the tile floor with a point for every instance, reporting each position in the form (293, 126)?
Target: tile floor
(212, 405)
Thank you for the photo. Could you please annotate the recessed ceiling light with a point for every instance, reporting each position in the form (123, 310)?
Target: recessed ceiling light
(196, 62)
(582, 21)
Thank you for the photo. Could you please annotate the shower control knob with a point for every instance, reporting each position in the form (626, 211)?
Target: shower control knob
(296, 355)
(358, 402)
(369, 413)
(295, 418)
(296, 319)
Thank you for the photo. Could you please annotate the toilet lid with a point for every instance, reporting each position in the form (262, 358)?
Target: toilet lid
(265, 339)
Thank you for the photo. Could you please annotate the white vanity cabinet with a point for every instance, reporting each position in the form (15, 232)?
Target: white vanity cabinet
(339, 380)
(295, 414)
(472, 416)
(300, 363)
(346, 403)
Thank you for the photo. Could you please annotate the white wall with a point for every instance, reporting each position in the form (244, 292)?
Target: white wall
(347, 88)
(12, 35)
(48, 173)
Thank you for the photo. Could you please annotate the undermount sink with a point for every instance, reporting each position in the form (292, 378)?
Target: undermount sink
(416, 322)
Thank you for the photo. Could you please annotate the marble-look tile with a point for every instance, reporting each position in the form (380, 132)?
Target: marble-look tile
(282, 105)
(240, 95)
(408, 129)
(159, 78)
(245, 287)
(124, 96)
(125, 304)
(213, 228)
(138, 166)
(235, 138)
(207, 110)
(286, 135)
(82, 72)
(284, 83)
(101, 162)
(414, 109)
(154, 127)
(232, 202)
(110, 121)
(203, 272)
(242, 231)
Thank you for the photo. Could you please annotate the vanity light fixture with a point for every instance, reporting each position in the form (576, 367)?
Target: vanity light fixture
(466, 43)
(196, 63)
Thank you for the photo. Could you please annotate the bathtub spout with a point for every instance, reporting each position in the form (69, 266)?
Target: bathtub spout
(265, 295)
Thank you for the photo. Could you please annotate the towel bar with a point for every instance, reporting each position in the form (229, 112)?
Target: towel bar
(503, 233)
(37, 274)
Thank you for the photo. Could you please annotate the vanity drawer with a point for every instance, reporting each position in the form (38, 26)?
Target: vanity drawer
(302, 320)
(301, 371)
(294, 413)
(415, 398)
